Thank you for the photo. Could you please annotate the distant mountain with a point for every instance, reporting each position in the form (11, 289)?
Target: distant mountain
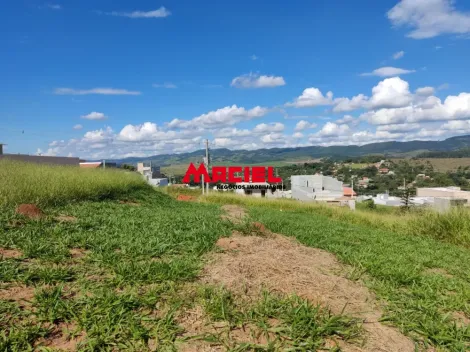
(390, 149)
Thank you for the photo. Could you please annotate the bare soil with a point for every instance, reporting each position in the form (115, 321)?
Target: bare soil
(78, 253)
(30, 211)
(279, 264)
(23, 295)
(439, 271)
(185, 198)
(10, 253)
(234, 213)
(63, 338)
(461, 319)
(66, 218)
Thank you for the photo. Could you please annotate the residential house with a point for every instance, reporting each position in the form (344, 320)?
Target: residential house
(316, 188)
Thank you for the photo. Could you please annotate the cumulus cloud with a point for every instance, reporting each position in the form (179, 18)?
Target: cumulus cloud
(391, 92)
(273, 127)
(94, 116)
(398, 55)
(348, 120)
(431, 109)
(402, 127)
(312, 97)
(252, 80)
(159, 13)
(429, 18)
(100, 91)
(388, 72)
(77, 127)
(304, 125)
(346, 104)
(227, 116)
(425, 91)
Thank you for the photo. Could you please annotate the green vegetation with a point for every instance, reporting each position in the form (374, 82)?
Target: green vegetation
(49, 185)
(122, 269)
(117, 274)
(423, 281)
(452, 227)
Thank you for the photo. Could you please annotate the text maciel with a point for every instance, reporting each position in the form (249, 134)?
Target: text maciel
(229, 174)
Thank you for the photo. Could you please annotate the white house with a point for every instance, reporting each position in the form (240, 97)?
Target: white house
(316, 187)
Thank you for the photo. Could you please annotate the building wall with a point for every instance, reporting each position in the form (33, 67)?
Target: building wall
(56, 160)
(442, 192)
(316, 187)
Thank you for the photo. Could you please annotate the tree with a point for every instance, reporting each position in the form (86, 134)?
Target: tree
(406, 196)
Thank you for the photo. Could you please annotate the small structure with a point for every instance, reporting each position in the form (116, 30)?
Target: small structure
(443, 192)
(254, 189)
(384, 171)
(40, 159)
(348, 192)
(148, 170)
(158, 182)
(316, 188)
(96, 165)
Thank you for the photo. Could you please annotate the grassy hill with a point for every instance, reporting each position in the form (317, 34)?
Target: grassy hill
(389, 149)
(115, 265)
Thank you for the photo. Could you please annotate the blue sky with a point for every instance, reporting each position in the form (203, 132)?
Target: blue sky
(108, 79)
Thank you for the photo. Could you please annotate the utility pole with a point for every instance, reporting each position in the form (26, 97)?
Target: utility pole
(104, 164)
(207, 161)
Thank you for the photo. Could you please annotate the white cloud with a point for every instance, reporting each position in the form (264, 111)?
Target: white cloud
(332, 129)
(398, 55)
(429, 18)
(391, 92)
(298, 135)
(100, 91)
(256, 81)
(77, 127)
(254, 57)
(304, 125)
(312, 97)
(272, 138)
(273, 127)
(425, 91)
(159, 13)
(227, 116)
(167, 85)
(402, 127)
(388, 72)
(431, 109)
(348, 120)
(94, 116)
(346, 104)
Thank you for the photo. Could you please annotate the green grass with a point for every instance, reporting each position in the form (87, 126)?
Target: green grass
(452, 227)
(396, 266)
(52, 185)
(126, 289)
(139, 266)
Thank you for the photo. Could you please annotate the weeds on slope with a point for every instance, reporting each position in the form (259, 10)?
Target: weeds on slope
(115, 278)
(452, 227)
(425, 283)
(51, 185)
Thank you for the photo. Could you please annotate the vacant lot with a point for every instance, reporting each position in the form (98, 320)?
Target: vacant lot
(140, 271)
(442, 164)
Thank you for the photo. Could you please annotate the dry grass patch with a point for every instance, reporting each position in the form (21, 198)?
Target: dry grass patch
(10, 253)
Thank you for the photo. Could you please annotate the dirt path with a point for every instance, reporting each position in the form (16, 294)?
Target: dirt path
(250, 264)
